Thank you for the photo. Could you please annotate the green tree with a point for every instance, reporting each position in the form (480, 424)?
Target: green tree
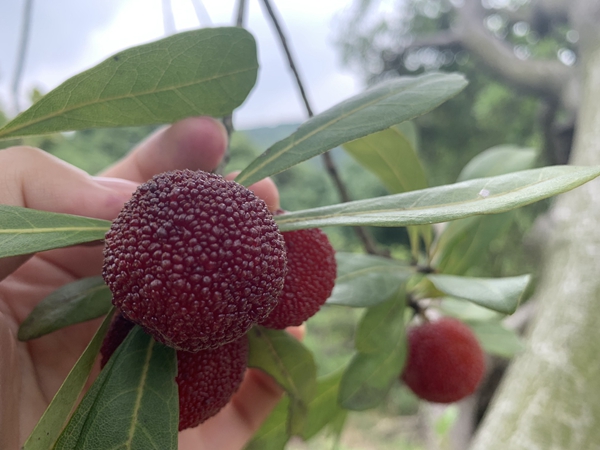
(548, 49)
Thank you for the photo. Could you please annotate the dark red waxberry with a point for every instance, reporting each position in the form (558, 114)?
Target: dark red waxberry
(309, 281)
(445, 361)
(196, 260)
(206, 380)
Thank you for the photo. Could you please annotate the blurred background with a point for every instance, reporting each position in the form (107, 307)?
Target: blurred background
(341, 47)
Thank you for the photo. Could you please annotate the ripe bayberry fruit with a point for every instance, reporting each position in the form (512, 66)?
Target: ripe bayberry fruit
(309, 281)
(445, 361)
(206, 380)
(196, 260)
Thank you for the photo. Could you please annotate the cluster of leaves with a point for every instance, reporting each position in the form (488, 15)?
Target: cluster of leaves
(133, 403)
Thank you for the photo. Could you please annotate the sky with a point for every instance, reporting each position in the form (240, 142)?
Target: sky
(69, 36)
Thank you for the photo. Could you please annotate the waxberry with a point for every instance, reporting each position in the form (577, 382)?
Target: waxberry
(194, 259)
(445, 361)
(310, 278)
(206, 380)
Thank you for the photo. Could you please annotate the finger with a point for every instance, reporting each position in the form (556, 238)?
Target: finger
(264, 189)
(38, 180)
(196, 143)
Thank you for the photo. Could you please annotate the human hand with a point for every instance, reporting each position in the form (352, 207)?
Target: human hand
(31, 372)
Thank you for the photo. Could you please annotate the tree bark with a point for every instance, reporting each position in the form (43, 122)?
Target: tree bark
(550, 398)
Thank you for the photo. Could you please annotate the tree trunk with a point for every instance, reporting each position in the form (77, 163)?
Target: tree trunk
(550, 398)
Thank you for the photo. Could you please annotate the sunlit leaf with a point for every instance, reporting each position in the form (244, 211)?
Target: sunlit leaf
(24, 231)
(374, 110)
(365, 280)
(500, 294)
(379, 359)
(465, 243)
(133, 404)
(48, 429)
(498, 161)
(290, 364)
(496, 339)
(73, 303)
(390, 155)
(207, 71)
(444, 203)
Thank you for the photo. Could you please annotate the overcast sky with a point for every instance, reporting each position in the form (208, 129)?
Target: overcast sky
(69, 36)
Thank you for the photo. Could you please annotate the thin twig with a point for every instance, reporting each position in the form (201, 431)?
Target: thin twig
(21, 54)
(241, 13)
(228, 119)
(202, 13)
(168, 19)
(362, 233)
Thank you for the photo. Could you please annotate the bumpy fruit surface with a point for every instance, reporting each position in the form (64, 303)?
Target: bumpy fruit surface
(445, 361)
(196, 260)
(206, 380)
(309, 281)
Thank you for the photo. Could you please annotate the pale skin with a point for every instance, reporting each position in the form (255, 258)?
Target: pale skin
(31, 372)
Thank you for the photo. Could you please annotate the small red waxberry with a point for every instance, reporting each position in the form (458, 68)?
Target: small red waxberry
(445, 361)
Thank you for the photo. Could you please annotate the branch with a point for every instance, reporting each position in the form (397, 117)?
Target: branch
(538, 77)
(362, 233)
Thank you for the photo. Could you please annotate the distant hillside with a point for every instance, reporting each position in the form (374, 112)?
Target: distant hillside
(264, 137)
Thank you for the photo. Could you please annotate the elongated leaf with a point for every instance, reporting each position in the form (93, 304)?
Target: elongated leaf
(76, 302)
(24, 231)
(132, 405)
(273, 434)
(500, 294)
(390, 155)
(200, 72)
(290, 364)
(323, 408)
(468, 311)
(376, 109)
(496, 339)
(47, 430)
(380, 357)
(464, 243)
(382, 326)
(444, 203)
(499, 160)
(365, 280)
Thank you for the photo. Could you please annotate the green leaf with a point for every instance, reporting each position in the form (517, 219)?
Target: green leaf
(500, 294)
(323, 408)
(380, 357)
(24, 231)
(374, 110)
(73, 303)
(200, 72)
(467, 311)
(444, 203)
(464, 243)
(499, 160)
(390, 155)
(290, 364)
(496, 339)
(48, 429)
(132, 405)
(365, 280)
(273, 434)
